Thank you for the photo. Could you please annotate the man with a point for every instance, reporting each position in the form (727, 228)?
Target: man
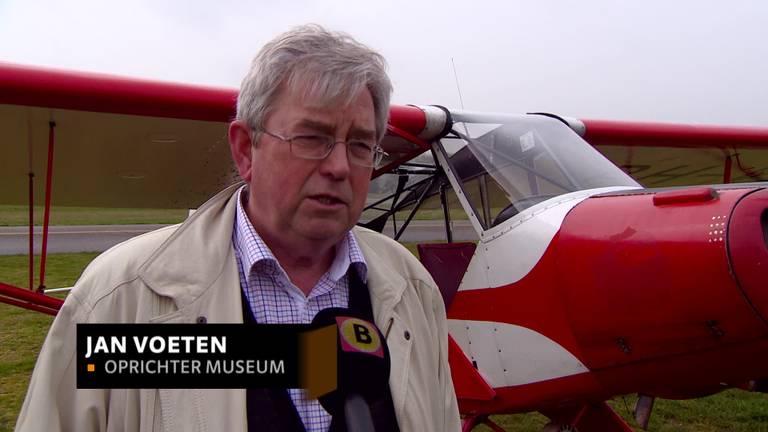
(278, 249)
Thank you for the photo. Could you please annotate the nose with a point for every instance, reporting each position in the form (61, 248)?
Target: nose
(336, 164)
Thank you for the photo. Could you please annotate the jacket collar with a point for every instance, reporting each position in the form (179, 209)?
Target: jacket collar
(199, 255)
(194, 257)
(385, 283)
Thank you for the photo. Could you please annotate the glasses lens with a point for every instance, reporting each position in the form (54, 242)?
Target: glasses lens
(361, 153)
(311, 146)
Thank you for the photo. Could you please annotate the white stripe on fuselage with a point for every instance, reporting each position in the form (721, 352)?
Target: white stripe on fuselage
(510, 355)
(508, 252)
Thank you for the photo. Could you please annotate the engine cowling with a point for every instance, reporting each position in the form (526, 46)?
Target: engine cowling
(650, 277)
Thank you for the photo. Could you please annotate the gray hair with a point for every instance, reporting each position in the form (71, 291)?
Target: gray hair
(330, 67)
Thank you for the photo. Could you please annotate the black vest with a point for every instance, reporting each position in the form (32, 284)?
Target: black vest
(273, 409)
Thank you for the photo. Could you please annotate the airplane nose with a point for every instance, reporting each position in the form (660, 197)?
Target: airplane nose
(748, 249)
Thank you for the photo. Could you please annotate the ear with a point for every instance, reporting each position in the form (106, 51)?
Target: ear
(241, 146)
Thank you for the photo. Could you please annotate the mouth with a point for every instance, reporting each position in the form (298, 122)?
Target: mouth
(327, 200)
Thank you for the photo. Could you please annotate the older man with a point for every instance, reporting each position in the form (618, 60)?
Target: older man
(277, 249)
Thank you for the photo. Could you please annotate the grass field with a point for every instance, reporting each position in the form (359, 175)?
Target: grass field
(22, 333)
(14, 215)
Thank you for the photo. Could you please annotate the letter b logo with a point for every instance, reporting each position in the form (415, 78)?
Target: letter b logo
(362, 334)
(359, 336)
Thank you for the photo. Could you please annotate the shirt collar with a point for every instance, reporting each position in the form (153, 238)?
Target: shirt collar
(254, 251)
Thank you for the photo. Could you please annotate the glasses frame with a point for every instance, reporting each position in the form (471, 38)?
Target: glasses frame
(378, 152)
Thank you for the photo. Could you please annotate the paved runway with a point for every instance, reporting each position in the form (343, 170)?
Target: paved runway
(82, 238)
(426, 231)
(98, 238)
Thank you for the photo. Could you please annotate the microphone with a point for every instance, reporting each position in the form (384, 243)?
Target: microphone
(363, 368)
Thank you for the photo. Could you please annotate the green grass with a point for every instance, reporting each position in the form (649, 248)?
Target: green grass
(20, 341)
(732, 411)
(15, 215)
(22, 333)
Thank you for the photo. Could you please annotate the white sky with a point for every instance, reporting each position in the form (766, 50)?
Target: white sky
(656, 60)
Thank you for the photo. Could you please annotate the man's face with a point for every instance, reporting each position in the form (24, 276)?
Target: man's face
(296, 199)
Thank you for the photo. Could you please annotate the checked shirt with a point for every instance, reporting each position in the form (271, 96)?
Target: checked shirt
(275, 300)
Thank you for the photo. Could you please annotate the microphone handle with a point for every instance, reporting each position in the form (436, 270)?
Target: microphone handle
(358, 414)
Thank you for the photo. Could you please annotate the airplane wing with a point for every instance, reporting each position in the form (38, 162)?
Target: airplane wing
(660, 155)
(117, 142)
(124, 142)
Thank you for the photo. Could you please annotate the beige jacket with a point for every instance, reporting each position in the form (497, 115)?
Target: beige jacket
(179, 273)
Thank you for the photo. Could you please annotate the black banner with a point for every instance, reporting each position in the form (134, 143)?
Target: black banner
(200, 356)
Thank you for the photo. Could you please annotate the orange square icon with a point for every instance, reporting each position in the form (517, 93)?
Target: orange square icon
(91, 367)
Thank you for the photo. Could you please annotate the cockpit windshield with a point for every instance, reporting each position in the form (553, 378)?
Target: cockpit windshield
(509, 163)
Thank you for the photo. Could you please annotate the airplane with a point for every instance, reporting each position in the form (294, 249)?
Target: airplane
(580, 285)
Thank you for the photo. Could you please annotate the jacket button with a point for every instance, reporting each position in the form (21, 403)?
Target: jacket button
(407, 335)
(202, 320)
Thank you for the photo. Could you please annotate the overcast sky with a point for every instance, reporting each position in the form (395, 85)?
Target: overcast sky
(675, 61)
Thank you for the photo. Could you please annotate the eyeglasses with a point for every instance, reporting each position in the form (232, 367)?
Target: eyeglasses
(360, 152)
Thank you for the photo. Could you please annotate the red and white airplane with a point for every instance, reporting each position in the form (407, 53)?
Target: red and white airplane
(582, 284)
